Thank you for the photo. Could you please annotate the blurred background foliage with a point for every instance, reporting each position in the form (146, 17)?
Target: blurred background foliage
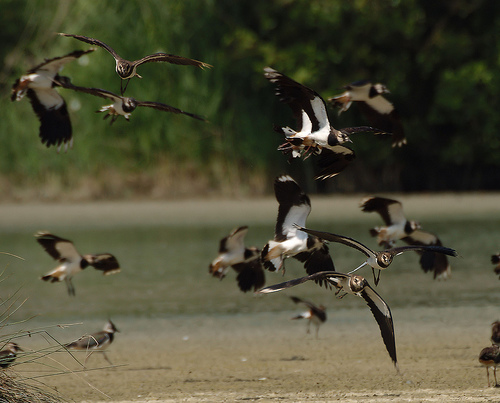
(440, 60)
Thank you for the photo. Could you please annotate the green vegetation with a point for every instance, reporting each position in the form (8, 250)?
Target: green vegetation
(439, 59)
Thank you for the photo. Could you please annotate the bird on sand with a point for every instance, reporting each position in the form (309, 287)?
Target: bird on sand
(490, 358)
(379, 260)
(294, 208)
(39, 85)
(70, 261)
(127, 69)
(355, 285)
(374, 106)
(245, 261)
(315, 314)
(8, 354)
(98, 341)
(314, 132)
(123, 106)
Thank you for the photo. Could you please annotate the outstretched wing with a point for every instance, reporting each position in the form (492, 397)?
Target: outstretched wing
(334, 160)
(56, 63)
(165, 57)
(57, 247)
(93, 41)
(167, 108)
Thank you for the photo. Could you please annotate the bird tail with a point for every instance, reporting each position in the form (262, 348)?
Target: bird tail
(271, 256)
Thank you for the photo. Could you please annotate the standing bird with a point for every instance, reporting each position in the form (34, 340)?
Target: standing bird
(8, 354)
(495, 259)
(378, 260)
(126, 69)
(391, 211)
(123, 106)
(245, 261)
(39, 84)
(314, 132)
(490, 358)
(95, 342)
(314, 314)
(379, 112)
(70, 261)
(355, 285)
(294, 208)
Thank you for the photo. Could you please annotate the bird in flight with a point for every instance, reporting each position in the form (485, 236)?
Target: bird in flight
(315, 314)
(127, 69)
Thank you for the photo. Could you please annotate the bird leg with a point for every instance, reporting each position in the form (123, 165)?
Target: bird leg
(106, 357)
(122, 90)
(69, 285)
(376, 278)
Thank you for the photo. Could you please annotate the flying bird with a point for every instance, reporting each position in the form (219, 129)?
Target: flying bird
(70, 261)
(39, 85)
(490, 358)
(245, 261)
(495, 259)
(315, 314)
(8, 354)
(378, 260)
(95, 342)
(123, 106)
(355, 285)
(127, 69)
(294, 208)
(379, 112)
(391, 211)
(314, 132)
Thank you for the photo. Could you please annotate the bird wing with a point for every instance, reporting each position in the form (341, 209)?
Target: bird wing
(98, 92)
(390, 210)
(383, 316)
(334, 160)
(341, 239)
(165, 57)
(423, 248)
(105, 262)
(250, 275)
(294, 207)
(316, 261)
(388, 121)
(58, 248)
(330, 276)
(235, 240)
(56, 63)
(95, 42)
(167, 108)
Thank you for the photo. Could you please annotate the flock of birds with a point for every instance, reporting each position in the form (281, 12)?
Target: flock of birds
(314, 135)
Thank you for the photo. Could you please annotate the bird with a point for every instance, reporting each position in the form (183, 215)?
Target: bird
(123, 106)
(70, 261)
(245, 261)
(294, 208)
(39, 85)
(95, 342)
(379, 112)
(315, 314)
(379, 260)
(314, 132)
(495, 259)
(127, 69)
(8, 354)
(495, 333)
(391, 211)
(490, 358)
(355, 285)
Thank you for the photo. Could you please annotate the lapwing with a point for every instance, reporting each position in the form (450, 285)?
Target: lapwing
(382, 259)
(495, 259)
(8, 354)
(127, 69)
(71, 262)
(314, 132)
(391, 211)
(123, 106)
(294, 208)
(39, 85)
(495, 333)
(355, 285)
(379, 112)
(490, 358)
(245, 261)
(95, 342)
(315, 314)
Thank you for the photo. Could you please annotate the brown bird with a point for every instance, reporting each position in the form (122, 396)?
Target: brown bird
(95, 342)
(495, 259)
(490, 358)
(495, 333)
(70, 260)
(8, 354)
(315, 314)
(127, 69)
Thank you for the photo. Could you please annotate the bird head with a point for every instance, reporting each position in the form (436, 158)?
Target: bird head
(384, 259)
